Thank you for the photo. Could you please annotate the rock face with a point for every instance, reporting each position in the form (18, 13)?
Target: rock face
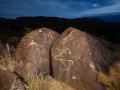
(34, 51)
(76, 59)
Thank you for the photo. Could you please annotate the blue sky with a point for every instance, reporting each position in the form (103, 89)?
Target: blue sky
(57, 8)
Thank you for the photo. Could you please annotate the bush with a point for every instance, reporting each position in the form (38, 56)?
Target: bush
(26, 31)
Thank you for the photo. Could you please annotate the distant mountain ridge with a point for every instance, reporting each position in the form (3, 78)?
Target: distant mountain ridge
(42, 18)
(91, 25)
(108, 17)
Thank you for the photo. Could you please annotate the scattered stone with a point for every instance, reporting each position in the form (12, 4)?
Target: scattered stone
(33, 52)
(77, 57)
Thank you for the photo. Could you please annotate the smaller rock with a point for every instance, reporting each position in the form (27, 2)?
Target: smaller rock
(10, 81)
(27, 71)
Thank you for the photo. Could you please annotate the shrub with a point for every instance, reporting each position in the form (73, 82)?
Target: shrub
(26, 31)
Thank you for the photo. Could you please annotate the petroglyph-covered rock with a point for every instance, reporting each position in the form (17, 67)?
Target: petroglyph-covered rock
(77, 57)
(34, 48)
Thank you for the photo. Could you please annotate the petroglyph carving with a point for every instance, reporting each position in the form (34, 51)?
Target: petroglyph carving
(83, 41)
(48, 37)
(65, 65)
(74, 77)
(92, 66)
(32, 43)
(77, 42)
(39, 53)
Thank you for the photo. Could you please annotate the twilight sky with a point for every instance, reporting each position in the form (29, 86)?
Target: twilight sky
(57, 8)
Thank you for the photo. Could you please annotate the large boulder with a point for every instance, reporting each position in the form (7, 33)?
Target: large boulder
(33, 52)
(77, 57)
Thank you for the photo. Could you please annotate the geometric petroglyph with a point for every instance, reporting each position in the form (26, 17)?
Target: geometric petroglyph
(83, 41)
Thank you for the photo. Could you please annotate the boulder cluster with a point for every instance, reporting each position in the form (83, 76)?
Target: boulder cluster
(73, 58)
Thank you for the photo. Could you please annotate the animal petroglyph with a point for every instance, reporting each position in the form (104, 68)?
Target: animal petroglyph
(65, 64)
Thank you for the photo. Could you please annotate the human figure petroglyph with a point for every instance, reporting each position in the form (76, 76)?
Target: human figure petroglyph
(65, 65)
(36, 55)
(38, 58)
(39, 53)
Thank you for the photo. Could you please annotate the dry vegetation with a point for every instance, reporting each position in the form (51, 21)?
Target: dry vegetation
(46, 83)
(112, 80)
(7, 63)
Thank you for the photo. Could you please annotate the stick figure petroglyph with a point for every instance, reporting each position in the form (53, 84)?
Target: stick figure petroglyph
(35, 54)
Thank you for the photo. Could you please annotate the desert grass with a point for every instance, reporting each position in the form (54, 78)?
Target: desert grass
(7, 63)
(112, 80)
(46, 83)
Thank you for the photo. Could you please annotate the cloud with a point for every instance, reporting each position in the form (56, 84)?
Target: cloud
(102, 10)
(94, 5)
(58, 8)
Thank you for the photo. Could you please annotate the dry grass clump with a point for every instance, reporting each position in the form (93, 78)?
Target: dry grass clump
(46, 83)
(112, 81)
(7, 63)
